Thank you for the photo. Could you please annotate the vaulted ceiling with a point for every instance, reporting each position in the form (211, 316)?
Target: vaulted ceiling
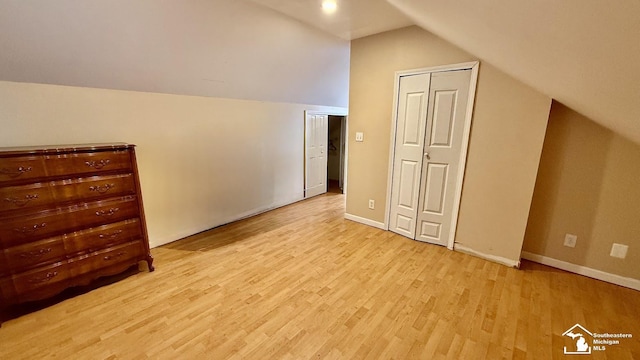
(216, 48)
(583, 53)
(352, 20)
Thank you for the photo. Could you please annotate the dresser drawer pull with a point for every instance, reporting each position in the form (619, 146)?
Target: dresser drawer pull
(109, 212)
(35, 253)
(28, 230)
(17, 172)
(114, 257)
(113, 235)
(102, 188)
(97, 164)
(19, 202)
(41, 279)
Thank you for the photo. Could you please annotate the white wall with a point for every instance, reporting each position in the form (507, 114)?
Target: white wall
(203, 161)
(218, 48)
(234, 150)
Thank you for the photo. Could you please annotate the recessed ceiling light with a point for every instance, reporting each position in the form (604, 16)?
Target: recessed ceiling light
(329, 6)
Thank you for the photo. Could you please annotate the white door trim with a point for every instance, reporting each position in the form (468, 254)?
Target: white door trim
(346, 158)
(474, 67)
(344, 113)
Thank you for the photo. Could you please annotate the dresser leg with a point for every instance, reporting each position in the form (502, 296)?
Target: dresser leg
(150, 262)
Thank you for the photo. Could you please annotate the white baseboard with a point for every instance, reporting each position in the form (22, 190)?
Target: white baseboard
(497, 259)
(365, 221)
(583, 270)
(155, 241)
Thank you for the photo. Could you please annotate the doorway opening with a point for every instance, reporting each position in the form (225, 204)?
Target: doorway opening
(325, 153)
(336, 153)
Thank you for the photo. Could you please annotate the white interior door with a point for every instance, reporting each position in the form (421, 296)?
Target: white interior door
(448, 98)
(409, 145)
(316, 135)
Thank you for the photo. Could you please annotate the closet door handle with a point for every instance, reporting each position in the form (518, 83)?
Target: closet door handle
(427, 156)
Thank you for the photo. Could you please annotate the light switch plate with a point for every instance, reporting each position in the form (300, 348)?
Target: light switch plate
(359, 136)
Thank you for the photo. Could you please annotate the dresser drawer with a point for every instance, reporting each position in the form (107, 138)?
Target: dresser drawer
(19, 230)
(94, 187)
(25, 196)
(94, 162)
(41, 282)
(101, 237)
(81, 189)
(119, 254)
(20, 258)
(21, 167)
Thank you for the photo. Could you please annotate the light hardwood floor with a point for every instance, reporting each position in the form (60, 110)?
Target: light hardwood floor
(301, 282)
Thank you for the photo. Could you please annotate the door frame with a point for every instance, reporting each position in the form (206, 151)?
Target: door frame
(328, 113)
(474, 67)
(343, 155)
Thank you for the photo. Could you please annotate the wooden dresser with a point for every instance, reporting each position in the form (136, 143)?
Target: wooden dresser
(68, 215)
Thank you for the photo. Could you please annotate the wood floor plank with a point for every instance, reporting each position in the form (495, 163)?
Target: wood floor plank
(301, 282)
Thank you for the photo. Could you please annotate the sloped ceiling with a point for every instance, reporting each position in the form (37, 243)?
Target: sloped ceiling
(583, 53)
(217, 48)
(354, 18)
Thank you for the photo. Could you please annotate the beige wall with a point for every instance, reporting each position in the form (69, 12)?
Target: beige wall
(203, 161)
(582, 53)
(588, 185)
(506, 139)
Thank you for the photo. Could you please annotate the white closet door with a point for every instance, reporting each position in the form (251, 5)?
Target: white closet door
(448, 98)
(317, 129)
(409, 144)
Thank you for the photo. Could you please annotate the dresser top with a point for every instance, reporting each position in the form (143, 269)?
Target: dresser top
(53, 149)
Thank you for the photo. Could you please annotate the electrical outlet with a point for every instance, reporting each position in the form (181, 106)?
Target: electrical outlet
(570, 240)
(619, 250)
(372, 204)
